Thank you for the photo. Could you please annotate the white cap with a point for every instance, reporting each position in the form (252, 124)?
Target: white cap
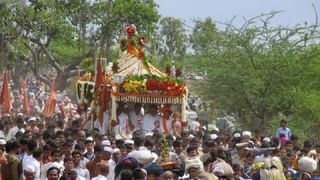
(32, 119)
(218, 169)
(3, 142)
(90, 138)
(213, 136)
(115, 150)
(106, 143)
(149, 134)
(128, 141)
(29, 168)
(246, 133)
(108, 149)
(20, 114)
(190, 136)
(266, 139)
(237, 135)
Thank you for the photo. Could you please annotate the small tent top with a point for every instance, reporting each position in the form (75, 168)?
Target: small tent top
(132, 65)
(132, 60)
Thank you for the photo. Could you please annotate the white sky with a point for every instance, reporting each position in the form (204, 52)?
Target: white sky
(294, 11)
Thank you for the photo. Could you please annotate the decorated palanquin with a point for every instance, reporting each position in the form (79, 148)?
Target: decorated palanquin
(133, 79)
(137, 80)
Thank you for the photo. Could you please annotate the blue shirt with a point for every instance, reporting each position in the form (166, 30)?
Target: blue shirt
(286, 131)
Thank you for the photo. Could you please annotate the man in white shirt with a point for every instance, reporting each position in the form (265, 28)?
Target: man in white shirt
(112, 163)
(151, 120)
(13, 131)
(136, 116)
(34, 161)
(83, 172)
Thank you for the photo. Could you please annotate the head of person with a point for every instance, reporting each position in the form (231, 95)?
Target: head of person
(13, 147)
(138, 138)
(153, 110)
(98, 152)
(177, 145)
(283, 123)
(116, 155)
(139, 174)
(20, 122)
(137, 108)
(29, 172)
(194, 142)
(72, 175)
(53, 173)
(67, 163)
(56, 155)
(76, 157)
(37, 154)
(167, 175)
(192, 151)
(103, 169)
(89, 145)
(107, 152)
(126, 174)
(194, 167)
(81, 136)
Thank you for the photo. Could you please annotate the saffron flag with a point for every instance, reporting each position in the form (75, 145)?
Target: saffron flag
(100, 99)
(50, 106)
(5, 94)
(26, 108)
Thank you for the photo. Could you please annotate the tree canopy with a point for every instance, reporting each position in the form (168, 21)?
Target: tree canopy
(260, 72)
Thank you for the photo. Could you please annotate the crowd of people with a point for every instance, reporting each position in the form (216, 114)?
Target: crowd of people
(37, 148)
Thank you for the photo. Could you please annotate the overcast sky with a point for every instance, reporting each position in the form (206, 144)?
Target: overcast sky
(294, 11)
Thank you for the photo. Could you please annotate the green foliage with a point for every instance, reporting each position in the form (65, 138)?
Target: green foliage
(259, 72)
(173, 38)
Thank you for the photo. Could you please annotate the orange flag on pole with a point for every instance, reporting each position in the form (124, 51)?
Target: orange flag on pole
(50, 106)
(5, 94)
(26, 108)
(100, 99)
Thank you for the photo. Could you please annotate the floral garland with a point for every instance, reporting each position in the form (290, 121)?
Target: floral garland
(159, 85)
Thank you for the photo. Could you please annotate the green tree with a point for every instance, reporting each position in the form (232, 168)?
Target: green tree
(258, 72)
(61, 34)
(204, 37)
(173, 38)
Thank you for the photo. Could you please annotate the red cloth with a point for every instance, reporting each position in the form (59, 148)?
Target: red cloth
(50, 106)
(5, 94)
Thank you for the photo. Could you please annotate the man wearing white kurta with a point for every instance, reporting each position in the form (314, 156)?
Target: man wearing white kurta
(136, 116)
(151, 119)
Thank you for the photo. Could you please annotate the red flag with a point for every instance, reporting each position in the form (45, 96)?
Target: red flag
(26, 108)
(50, 106)
(100, 99)
(5, 94)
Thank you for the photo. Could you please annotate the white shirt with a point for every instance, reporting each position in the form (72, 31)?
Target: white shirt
(13, 131)
(112, 165)
(83, 172)
(99, 177)
(134, 118)
(123, 120)
(104, 124)
(148, 122)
